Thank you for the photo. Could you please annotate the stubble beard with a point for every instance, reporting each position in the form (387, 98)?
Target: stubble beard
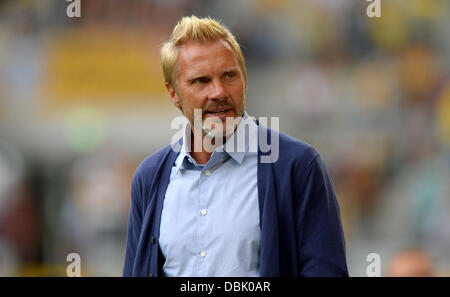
(213, 128)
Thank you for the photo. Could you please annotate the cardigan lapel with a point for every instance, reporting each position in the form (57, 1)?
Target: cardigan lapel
(268, 210)
(161, 182)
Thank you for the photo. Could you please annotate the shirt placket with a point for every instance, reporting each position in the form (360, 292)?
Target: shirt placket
(201, 230)
(206, 180)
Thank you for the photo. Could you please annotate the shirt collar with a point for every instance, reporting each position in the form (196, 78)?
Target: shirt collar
(234, 147)
(183, 153)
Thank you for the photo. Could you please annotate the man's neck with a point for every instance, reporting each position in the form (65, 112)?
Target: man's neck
(201, 154)
(201, 157)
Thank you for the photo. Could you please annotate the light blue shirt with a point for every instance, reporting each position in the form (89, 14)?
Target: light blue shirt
(210, 217)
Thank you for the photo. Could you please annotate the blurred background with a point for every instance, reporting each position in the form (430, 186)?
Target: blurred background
(82, 103)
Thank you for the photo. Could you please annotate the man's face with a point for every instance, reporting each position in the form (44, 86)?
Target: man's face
(209, 79)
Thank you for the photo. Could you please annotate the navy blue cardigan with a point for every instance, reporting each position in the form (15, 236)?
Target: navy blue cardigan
(301, 231)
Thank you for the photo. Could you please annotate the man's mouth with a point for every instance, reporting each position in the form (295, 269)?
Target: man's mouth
(218, 112)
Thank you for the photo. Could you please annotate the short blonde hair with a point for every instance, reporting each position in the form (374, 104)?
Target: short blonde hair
(198, 30)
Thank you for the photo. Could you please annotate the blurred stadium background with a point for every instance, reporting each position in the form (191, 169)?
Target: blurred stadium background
(82, 103)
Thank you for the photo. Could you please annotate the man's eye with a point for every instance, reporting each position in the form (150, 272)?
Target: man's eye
(201, 80)
(229, 75)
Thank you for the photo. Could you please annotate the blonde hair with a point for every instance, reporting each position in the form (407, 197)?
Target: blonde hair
(198, 30)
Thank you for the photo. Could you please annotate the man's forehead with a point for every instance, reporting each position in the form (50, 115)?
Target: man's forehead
(196, 52)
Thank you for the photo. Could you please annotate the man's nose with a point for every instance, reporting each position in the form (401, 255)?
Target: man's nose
(217, 90)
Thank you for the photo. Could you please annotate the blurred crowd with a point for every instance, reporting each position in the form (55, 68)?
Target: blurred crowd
(82, 103)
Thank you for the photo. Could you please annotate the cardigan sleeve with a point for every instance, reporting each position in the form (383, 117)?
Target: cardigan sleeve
(321, 243)
(134, 226)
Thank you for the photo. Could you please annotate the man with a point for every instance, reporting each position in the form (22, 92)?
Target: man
(203, 207)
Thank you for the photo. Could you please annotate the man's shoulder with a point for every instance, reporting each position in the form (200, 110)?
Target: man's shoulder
(294, 150)
(298, 148)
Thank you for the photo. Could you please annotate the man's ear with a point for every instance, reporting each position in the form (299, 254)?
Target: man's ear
(173, 95)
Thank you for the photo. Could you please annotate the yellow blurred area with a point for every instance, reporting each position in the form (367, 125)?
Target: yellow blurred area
(443, 116)
(34, 270)
(101, 66)
(427, 9)
(42, 271)
(390, 31)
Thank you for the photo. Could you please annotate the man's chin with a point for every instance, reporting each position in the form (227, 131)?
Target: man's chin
(217, 133)
(219, 127)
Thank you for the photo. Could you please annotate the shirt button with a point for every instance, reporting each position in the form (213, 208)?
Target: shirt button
(203, 254)
(207, 173)
(203, 212)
